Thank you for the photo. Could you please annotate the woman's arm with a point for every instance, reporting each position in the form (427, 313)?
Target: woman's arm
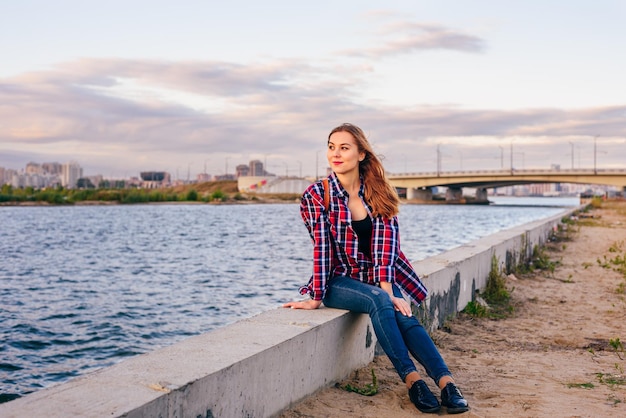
(314, 217)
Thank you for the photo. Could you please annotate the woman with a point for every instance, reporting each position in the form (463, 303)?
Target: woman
(357, 252)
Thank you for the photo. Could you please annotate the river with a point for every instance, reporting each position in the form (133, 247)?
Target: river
(83, 287)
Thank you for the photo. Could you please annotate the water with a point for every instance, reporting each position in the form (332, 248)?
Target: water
(84, 287)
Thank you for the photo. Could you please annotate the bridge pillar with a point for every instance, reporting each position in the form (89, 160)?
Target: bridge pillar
(481, 195)
(454, 193)
(424, 193)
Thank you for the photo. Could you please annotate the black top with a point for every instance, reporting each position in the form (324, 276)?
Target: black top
(363, 229)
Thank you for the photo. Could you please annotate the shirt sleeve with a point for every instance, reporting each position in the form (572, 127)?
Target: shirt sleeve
(385, 249)
(315, 219)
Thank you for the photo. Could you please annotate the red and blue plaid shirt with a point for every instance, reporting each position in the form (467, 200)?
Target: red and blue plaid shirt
(336, 249)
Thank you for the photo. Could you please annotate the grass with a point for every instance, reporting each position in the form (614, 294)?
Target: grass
(587, 385)
(617, 345)
(617, 263)
(369, 389)
(476, 309)
(611, 380)
(541, 261)
(495, 294)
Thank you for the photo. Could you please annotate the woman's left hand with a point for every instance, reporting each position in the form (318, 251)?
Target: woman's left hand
(402, 306)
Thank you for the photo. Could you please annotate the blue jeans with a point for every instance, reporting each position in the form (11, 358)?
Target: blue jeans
(397, 334)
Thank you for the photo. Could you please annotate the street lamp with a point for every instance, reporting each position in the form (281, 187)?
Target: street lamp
(317, 156)
(438, 160)
(511, 156)
(572, 145)
(595, 139)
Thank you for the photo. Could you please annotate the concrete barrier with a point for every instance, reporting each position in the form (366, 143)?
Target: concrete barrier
(453, 277)
(253, 368)
(259, 366)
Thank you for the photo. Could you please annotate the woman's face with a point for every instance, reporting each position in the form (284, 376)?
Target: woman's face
(343, 153)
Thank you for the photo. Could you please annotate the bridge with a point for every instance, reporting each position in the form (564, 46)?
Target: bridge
(419, 185)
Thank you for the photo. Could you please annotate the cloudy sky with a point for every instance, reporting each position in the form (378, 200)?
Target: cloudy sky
(122, 86)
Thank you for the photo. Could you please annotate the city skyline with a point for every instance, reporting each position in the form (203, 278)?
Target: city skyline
(433, 83)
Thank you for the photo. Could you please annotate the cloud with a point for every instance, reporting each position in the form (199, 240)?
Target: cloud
(406, 37)
(121, 115)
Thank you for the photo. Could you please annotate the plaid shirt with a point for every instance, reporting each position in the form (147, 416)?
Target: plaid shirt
(336, 249)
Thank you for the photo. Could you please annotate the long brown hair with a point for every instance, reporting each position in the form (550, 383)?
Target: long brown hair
(379, 193)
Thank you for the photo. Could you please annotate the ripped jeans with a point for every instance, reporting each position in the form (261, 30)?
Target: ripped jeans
(397, 334)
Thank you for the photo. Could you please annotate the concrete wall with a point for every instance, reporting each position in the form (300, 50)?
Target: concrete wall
(454, 276)
(272, 184)
(261, 365)
(253, 368)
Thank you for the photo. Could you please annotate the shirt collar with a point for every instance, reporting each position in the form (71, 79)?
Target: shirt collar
(338, 188)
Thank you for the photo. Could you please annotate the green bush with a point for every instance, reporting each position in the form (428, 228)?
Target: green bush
(51, 196)
(218, 195)
(475, 309)
(495, 290)
(192, 195)
(135, 196)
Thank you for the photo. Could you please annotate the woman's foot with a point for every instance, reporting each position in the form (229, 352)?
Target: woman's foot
(423, 398)
(452, 399)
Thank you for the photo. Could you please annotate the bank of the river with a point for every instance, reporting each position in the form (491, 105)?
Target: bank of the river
(561, 353)
(215, 192)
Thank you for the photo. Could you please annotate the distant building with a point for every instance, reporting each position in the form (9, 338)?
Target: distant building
(95, 180)
(203, 177)
(8, 175)
(256, 168)
(71, 172)
(154, 179)
(225, 177)
(33, 168)
(52, 168)
(242, 170)
(1, 176)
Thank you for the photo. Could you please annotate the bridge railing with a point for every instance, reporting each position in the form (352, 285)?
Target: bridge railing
(514, 171)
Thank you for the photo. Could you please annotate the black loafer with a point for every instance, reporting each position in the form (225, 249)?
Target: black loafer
(423, 398)
(452, 399)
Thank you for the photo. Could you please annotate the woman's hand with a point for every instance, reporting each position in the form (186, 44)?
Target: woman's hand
(402, 306)
(305, 304)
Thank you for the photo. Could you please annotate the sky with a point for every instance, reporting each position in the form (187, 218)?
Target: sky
(202, 86)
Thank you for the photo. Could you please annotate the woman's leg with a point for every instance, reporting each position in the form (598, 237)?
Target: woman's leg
(355, 296)
(421, 347)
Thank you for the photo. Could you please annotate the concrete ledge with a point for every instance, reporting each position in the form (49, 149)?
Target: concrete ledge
(253, 368)
(259, 366)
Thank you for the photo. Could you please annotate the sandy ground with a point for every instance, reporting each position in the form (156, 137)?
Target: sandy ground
(560, 354)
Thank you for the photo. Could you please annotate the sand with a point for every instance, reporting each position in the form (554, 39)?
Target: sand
(559, 354)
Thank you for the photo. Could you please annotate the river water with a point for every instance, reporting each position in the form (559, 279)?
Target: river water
(84, 287)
